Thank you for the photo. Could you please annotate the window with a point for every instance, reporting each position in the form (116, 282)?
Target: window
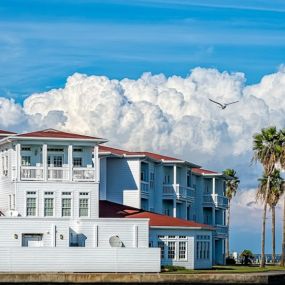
(26, 160)
(77, 161)
(66, 193)
(26, 148)
(182, 250)
(49, 193)
(167, 212)
(171, 250)
(203, 249)
(77, 149)
(167, 179)
(160, 244)
(31, 206)
(83, 207)
(142, 176)
(55, 149)
(66, 207)
(48, 207)
(55, 160)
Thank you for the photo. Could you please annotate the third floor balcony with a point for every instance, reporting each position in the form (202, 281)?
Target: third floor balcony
(215, 200)
(179, 192)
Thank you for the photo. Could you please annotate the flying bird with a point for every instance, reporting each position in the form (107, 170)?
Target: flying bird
(223, 106)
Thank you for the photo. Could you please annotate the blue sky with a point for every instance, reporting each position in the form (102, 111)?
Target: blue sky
(43, 42)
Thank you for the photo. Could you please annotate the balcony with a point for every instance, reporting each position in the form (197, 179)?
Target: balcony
(215, 200)
(32, 173)
(178, 191)
(145, 187)
(36, 173)
(222, 230)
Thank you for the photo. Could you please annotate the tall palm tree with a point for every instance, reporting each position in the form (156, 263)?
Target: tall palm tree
(231, 188)
(276, 189)
(267, 150)
(282, 162)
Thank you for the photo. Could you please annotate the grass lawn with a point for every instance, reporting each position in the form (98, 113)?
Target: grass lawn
(229, 269)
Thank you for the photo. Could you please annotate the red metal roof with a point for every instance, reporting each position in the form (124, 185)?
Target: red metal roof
(3, 132)
(203, 171)
(152, 155)
(109, 209)
(51, 133)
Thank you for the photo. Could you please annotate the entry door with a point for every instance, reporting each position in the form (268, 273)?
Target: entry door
(55, 160)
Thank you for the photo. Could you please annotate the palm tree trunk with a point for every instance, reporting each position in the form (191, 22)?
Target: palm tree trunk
(282, 263)
(273, 234)
(262, 261)
(228, 238)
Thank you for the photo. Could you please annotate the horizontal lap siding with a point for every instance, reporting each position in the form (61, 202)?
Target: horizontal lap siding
(122, 174)
(57, 188)
(103, 228)
(79, 260)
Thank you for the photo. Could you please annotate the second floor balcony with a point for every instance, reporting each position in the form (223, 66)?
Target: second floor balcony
(179, 192)
(37, 173)
(222, 230)
(57, 163)
(215, 200)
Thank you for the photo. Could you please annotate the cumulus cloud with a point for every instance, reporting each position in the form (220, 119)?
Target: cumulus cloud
(165, 114)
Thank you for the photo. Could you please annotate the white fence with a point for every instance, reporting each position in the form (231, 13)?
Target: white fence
(79, 260)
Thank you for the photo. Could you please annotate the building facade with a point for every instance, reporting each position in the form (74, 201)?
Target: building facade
(168, 186)
(78, 201)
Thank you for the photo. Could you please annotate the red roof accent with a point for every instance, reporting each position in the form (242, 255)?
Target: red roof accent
(2, 132)
(152, 155)
(203, 171)
(109, 209)
(51, 133)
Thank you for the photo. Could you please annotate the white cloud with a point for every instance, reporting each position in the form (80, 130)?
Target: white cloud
(171, 115)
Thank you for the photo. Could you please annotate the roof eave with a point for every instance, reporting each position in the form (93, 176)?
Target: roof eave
(98, 140)
(182, 228)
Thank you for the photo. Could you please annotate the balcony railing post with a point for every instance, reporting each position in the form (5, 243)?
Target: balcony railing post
(70, 162)
(45, 166)
(19, 162)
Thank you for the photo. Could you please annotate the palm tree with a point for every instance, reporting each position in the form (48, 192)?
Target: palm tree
(231, 188)
(267, 150)
(282, 162)
(276, 189)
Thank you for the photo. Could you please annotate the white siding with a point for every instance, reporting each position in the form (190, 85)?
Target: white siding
(79, 260)
(57, 188)
(191, 262)
(122, 174)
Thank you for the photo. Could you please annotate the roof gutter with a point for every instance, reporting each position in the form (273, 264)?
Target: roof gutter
(182, 228)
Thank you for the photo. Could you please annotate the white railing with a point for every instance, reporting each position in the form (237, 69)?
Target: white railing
(32, 173)
(144, 187)
(83, 174)
(221, 201)
(181, 192)
(58, 173)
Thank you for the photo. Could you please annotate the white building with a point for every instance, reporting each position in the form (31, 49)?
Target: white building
(168, 186)
(154, 210)
(49, 194)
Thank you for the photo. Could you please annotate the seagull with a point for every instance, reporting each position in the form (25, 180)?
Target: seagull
(223, 106)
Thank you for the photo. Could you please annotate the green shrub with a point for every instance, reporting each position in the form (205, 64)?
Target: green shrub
(171, 268)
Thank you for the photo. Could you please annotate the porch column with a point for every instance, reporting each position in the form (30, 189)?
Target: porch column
(174, 174)
(19, 162)
(214, 186)
(45, 166)
(96, 164)
(70, 162)
(186, 210)
(174, 208)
